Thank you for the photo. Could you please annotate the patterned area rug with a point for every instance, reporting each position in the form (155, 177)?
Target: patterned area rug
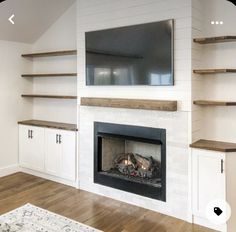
(30, 218)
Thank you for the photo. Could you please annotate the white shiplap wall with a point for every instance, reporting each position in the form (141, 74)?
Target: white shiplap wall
(103, 14)
(97, 15)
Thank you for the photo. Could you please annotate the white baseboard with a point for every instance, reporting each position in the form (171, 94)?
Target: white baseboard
(5, 171)
(204, 222)
(49, 177)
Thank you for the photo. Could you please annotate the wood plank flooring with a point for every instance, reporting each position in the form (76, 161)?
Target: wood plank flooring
(91, 209)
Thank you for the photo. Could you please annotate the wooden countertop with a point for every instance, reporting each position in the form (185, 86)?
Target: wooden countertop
(214, 145)
(49, 124)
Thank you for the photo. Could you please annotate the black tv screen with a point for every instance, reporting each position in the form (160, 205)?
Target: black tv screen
(133, 55)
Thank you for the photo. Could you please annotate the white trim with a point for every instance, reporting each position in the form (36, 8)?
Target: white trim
(190, 196)
(5, 171)
(204, 222)
(49, 177)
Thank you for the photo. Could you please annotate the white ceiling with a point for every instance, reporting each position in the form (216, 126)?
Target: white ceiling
(32, 18)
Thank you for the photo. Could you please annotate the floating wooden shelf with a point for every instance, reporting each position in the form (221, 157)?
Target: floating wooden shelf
(48, 96)
(48, 54)
(50, 75)
(160, 105)
(213, 103)
(219, 39)
(49, 124)
(213, 71)
(214, 145)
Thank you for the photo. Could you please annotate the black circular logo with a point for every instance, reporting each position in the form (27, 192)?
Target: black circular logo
(233, 1)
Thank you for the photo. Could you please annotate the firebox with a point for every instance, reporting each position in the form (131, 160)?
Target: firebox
(131, 158)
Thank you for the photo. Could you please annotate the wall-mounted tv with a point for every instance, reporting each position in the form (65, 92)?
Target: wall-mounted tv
(133, 55)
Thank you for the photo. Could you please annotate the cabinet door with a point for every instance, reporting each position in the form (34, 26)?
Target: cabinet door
(31, 147)
(60, 153)
(68, 165)
(208, 179)
(25, 146)
(53, 152)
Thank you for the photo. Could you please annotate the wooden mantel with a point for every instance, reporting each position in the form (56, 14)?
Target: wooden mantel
(160, 105)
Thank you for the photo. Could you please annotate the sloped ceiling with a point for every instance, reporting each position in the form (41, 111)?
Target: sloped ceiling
(32, 18)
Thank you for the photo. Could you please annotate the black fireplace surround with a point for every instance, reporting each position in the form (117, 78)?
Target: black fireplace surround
(134, 178)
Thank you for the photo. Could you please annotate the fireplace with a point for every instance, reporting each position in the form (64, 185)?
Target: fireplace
(131, 158)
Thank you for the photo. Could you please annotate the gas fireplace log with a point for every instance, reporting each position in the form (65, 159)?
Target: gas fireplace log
(136, 165)
(142, 162)
(126, 159)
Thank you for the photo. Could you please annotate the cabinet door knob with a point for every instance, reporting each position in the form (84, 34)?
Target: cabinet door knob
(31, 134)
(60, 139)
(222, 166)
(28, 134)
(57, 138)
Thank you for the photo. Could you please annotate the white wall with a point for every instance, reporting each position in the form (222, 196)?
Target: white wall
(60, 36)
(13, 107)
(102, 14)
(218, 123)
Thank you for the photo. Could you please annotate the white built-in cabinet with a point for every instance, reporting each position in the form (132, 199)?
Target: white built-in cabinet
(50, 151)
(213, 178)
